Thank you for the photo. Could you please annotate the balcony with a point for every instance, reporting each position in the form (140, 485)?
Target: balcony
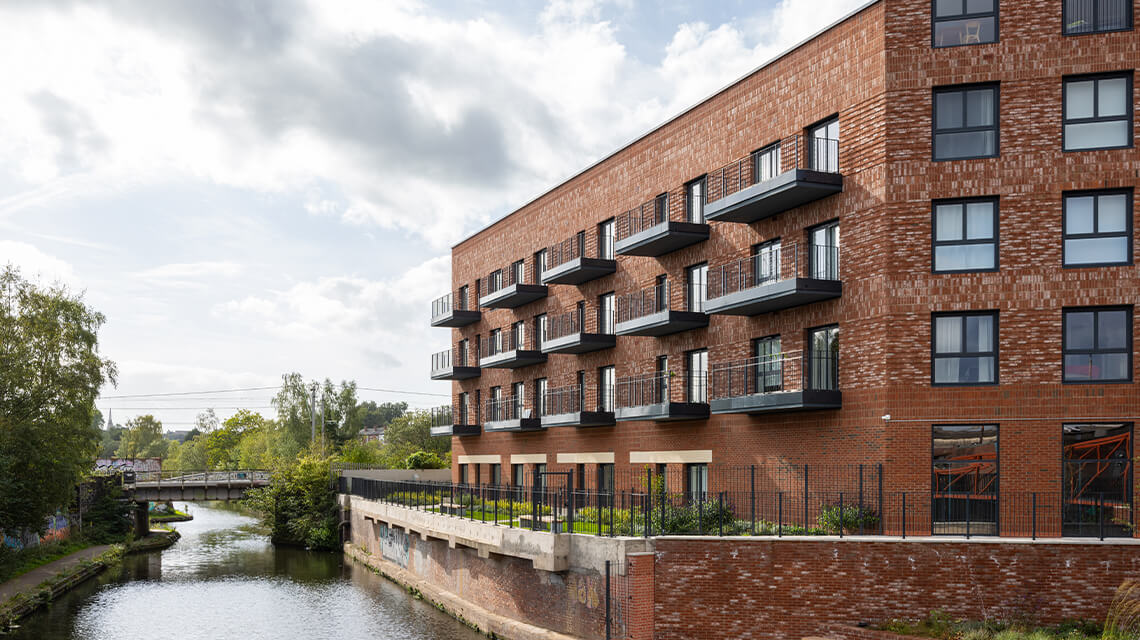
(507, 288)
(457, 421)
(775, 384)
(648, 313)
(576, 406)
(510, 414)
(446, 314)
(774, 279)
(453, 364)
(582, 330)
(504, 349)
(579, 259)
(651, 397)
(648, 230)
(782, 177)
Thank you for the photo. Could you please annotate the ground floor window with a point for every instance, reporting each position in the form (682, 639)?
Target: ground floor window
(1096, 461)
(463, 474)
(697, 481)
(964, 479)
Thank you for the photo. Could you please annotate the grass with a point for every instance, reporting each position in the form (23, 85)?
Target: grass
(1018, 627)
(14, 564)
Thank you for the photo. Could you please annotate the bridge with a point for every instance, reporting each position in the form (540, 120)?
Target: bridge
(143, 487)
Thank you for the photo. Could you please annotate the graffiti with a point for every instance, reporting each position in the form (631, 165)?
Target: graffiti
(133, 464)
(394, 545)
(57, 528)
(584, 589)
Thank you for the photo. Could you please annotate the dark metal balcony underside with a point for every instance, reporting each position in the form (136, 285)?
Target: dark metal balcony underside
(580, 419)
(512, 359)
(664, 412)
(456, 318)
(455, 373)
(662, 238)
(579, 270)
(515, 295)
(456, 430)
(781, 294)
(514, 424)
(580, 343)
(778, 401)
(662, 323)
(786, 191)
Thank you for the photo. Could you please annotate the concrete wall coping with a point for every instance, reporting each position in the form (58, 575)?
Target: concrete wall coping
(923, 539)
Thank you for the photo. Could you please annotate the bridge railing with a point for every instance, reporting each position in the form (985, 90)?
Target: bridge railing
(182, 478)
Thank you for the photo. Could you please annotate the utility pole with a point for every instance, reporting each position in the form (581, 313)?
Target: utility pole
(313, 412)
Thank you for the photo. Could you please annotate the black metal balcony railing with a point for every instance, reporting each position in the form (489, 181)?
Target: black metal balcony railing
(644, 216)
(441, 306)
(508, 408)
(575, 399)
(505, 341)
(454, 357)
(771, 265)
(583, 245)
(502, 278)
(799, 151)
(639, 304)
(588, 319)
(775, 373)
(643, 390)
(449, 415)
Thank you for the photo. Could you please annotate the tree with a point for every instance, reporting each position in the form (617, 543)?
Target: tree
(373, 416)
(223, 444)
(294, 413)
(143, 439)
(408, 434)
(206, 421)
(299, 505)
(50, 374)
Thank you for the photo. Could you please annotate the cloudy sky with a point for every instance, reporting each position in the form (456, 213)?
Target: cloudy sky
(250, 187)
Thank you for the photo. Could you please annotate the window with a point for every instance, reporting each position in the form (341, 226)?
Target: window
(540, 261)
(695, 278)
(475, 479)
(463, 408)
(823, 358)
(824, 257)
(518, 335)
(769, 365)
(518, 475)
(606, 382)
(518, 271)
(1098, 112)
(461, 298)
(606, 240)
(1095, 16)
(580, 379)
(661, 293)
(661, 393)
(661, 208)
(518, 401)
(766, 163)
(606, 313)
(1097, 485)
(965, 235)
(461, 353)
(540, 328)
(496, 474)
(463, 473)
(965, 348)
(966, 122)
(1098, 228)
(495, 404)
(1098, 345)
(766, 262)
(964, 478)
(823, 146)
(959, 22)
(540, 386)
(540, 476)
(695, 200)
(697, 482)
(697, 363)
(606, 477)
(495, 281)
(495, 341)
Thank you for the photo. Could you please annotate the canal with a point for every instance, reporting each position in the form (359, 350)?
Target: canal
(224, 580)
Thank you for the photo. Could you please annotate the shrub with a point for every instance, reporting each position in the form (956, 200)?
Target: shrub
(424, 460)
(853, 517)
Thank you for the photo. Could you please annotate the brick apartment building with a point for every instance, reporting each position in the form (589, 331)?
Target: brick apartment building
(908, 241)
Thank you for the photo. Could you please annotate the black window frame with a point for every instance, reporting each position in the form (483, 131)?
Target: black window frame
(703, 181)
(934, 355)
(1127, 350)
(760, 153)
(934, 20)
(935, 243)
(1127, 233)
(934, 487)
(1127, 76)
(702, 286)
(934, 131)
(1065, 21)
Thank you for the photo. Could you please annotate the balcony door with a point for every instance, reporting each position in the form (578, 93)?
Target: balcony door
(606, 313)
(769, 365)
(824, 258)
(518, 393)
(823, 359)
(606, 382)
(823, 146)
(766, 262)
(698, 366)
(606, 240)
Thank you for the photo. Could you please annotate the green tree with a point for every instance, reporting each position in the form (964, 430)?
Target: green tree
(357, 452)
(337, 404)
(424, 460)
(143, 439)
(374, 415)
(408, 434)
(206, 421)
(299, 505)
(223, 444)
(50, 374)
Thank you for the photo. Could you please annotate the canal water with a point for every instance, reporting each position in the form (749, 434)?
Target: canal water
(223, 580)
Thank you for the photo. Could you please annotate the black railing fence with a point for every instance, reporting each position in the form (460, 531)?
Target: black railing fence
(585, 319)
(453, 357)
(505, 340)
(598, 244)
(449, 415)
(574, 399)
(647, 301)
(800, 151)
(789, 371)
(773, 264)
(644, 216)
(515, 273)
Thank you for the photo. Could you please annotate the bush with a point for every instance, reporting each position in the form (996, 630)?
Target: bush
(424, 460)
(299, 505)
(853, 518)
(109, 518)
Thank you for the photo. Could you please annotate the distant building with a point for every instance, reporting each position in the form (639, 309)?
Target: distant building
(177, 436)
(372, 434)
(135, 464)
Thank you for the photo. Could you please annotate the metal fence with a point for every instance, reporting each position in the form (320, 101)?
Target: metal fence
(789, 371)
(581, 245)
(772, 264)
(644, 216)
(843, 500)
(798, 151)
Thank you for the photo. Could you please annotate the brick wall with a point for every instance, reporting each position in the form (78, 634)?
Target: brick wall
(708, 588)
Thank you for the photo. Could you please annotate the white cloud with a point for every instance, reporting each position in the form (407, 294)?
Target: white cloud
(188, 275)
(36, 264)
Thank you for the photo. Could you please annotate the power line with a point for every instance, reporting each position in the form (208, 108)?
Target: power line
(407, 393)
(186, 393)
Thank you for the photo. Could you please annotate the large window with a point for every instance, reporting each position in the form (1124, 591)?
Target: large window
(606, 382)
(1098, 112)
(824, 256)
(540, 329)
(766, 262)
(823, 358)
(463, 408)
(1098, 345)
(823, 149)
(1097, 483)
(959, 22)
(769, 365)
(696, 278)
(540, 262)
(965, 235)
(766, 163)
(964, 479)
(695, 200)
(606, 313)
(1098, 228)
(966, 122)
(965, 349)
(606, 239)
(1095, 16)
(540, 386)
(697, 481)
(697, 364)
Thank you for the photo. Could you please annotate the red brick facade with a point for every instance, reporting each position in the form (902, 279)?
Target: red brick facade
(877, 71)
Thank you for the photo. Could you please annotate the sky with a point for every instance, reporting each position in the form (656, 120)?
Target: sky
(247, 188)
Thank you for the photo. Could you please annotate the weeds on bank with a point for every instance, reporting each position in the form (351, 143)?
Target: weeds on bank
(1017, 625)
